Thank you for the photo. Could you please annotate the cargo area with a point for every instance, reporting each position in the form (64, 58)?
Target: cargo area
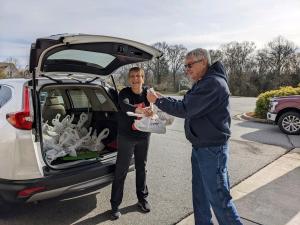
(78, 123)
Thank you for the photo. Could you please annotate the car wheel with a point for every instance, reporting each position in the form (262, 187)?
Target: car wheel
(289, 123)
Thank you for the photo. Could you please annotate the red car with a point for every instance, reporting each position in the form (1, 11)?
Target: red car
(285, 112)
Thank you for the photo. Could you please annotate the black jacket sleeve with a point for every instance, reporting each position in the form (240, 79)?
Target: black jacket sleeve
(124, 103)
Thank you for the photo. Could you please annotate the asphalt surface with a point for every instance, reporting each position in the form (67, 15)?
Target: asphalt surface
(253, 146)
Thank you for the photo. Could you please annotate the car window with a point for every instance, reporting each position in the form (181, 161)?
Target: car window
(102, 99)
(100, 60)
(5, 95)
(79, 99)
(43, 97)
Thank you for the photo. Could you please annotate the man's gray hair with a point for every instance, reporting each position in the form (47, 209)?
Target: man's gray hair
(200, 53)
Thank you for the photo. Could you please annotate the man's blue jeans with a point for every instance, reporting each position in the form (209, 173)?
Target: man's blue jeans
(210, 185)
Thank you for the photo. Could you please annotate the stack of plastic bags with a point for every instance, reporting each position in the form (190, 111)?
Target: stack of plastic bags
(65, 138)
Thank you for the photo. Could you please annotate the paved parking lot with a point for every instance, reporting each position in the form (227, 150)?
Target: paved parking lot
(253, 146)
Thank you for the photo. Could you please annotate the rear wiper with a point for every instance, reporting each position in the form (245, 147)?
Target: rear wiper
(70, 76)
(51, 78)
(90, 81)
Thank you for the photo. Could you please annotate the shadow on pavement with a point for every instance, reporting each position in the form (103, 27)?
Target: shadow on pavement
(266, 134)
(106, 216)
(51, 211)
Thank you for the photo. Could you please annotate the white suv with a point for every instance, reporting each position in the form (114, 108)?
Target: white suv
(58, 130)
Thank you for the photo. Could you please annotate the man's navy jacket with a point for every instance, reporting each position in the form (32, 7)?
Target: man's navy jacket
(205, 108)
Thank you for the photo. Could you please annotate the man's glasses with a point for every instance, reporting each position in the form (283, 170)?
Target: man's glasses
(190, 65)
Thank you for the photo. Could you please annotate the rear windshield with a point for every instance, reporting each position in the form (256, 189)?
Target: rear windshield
(79, 99)
(95, 59)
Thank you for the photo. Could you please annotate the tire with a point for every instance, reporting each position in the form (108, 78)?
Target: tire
(289, 123)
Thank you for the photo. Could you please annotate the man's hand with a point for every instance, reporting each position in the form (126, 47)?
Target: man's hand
(152, 96)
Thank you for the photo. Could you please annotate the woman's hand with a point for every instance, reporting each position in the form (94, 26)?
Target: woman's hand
(147, 111)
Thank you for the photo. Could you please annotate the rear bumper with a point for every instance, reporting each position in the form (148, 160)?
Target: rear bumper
(271, 116)
(72, 181)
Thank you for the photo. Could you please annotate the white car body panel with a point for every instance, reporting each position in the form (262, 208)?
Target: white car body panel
(17, 155)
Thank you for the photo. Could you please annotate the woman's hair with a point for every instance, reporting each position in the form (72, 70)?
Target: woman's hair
(136, 69)
(200, 53)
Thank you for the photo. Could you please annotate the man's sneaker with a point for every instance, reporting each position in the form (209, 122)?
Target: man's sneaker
(152, 125)
(144, 206)
(115, 214)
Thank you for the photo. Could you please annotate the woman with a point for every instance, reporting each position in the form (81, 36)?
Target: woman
(131, 141)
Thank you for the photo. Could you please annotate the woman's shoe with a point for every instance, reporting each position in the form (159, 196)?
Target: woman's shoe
(144, 206)
(115, 214)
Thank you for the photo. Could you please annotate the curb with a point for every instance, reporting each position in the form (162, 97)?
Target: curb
(250, 118)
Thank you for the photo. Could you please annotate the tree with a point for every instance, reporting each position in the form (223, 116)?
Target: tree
(238, 59)
(160, 66)
(215, 55)
(176, 55)
(281, 53)
(295, 76)
(2, 75)
(277, 64)
(281, 56)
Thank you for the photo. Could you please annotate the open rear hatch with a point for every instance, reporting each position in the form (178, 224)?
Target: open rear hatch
(77, 123)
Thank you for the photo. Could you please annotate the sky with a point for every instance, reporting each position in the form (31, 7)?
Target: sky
(192, 23)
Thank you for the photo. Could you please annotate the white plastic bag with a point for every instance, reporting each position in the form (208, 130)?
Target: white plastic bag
(165, 117)
(150, 124)
(66, 138)
(155, 124)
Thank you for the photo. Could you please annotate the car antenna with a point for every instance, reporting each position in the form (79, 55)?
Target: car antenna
(70, 76)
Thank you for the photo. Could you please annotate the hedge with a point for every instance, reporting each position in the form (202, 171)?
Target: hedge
(262, 103)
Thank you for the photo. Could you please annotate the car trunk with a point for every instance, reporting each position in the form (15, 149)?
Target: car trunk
(78, 124)
(86, 58)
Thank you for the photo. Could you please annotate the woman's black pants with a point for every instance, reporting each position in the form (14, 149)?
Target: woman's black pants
(127, 146)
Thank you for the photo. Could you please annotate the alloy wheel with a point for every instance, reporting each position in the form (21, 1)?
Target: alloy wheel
(289, 123)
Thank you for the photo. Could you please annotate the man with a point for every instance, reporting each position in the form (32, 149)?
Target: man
(207, 126)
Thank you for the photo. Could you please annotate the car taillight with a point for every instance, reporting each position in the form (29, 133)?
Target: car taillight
(22, 120)
(30, 191)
